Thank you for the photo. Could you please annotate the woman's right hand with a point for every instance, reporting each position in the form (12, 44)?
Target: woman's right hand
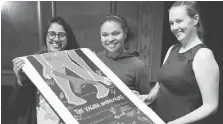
(151, 97)
(18, 64)
(135, 92)
(148, 98)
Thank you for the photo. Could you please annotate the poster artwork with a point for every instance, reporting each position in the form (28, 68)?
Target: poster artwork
(81, 89)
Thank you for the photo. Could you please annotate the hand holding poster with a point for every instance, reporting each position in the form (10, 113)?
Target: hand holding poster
(83, 90)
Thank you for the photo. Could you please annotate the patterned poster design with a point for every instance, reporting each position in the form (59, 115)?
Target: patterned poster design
(82, 90)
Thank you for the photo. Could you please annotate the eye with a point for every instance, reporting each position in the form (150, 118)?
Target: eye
(171, 23)
(115, 33)
(62, 34)
(179, 21)
(51, 33)
(104, 34)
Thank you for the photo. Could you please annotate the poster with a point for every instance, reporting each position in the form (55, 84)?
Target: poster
(83, 90)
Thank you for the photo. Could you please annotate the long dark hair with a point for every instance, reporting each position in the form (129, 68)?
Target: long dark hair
(192, 9)
(71, 40)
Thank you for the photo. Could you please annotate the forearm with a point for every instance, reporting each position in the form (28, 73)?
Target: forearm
(202, 112)
(155, 89)
(151, 96)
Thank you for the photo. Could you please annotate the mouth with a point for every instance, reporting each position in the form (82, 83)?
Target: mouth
(57, 45)
(177, 34)
(112, 45)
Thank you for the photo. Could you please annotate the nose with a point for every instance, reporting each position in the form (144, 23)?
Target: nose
(174, 27)
(110, 39)
(56, 38)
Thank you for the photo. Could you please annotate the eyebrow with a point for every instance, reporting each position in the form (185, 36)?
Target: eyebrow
(57, 32)
(116, 31)
(112, 31)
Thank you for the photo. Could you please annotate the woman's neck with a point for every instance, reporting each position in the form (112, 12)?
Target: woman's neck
(117, 53)
(191, 42)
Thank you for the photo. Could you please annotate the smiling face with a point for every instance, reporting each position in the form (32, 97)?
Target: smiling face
(56, 39)
(181, 24)
(112, 36)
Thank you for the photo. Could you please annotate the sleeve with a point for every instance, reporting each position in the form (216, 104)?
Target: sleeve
(142, 80)
(22, 97)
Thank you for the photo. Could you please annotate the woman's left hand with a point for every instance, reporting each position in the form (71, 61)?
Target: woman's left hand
(147, 99)
(136, 92)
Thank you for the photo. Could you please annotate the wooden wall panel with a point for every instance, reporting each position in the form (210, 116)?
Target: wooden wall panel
(150, 35)
(145, 21)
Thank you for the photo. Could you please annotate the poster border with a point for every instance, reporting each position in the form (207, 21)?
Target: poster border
(63, 112)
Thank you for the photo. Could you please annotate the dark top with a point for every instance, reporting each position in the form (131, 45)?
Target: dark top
(23, 105)
(179, 93)
(129, 68)
(23, 101)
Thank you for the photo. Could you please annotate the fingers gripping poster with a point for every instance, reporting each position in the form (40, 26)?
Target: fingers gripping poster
(81, 89)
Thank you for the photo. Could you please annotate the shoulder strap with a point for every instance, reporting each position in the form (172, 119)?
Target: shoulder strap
(196, 48)
(175, 50)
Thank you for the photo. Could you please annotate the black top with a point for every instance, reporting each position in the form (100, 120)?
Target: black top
(179, 93)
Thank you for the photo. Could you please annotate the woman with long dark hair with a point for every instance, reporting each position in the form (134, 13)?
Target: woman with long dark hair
(28, 104)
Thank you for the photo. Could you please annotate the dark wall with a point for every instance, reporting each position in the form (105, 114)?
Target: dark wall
(19, 37)
(84, 18)
(19, 30)
(212, 14)
(168, 38)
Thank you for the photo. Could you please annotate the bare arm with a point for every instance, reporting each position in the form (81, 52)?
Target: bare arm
(167, 54)
(207, 75)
